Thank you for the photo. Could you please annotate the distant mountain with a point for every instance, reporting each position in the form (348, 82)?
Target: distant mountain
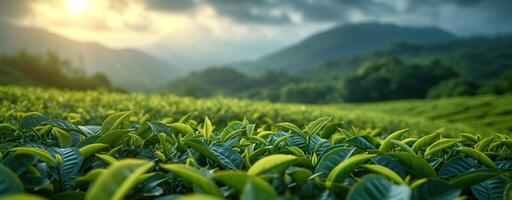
(463, 66)
(127, 68)
(342, 41)
(480, 58)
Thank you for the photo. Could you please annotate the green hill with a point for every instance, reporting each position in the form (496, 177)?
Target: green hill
(342, 41)
(493, 112)
(47, 70)
(127, 68)
(480, 58)
(467, 66)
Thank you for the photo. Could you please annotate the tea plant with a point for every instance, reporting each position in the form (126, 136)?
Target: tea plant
(92, 107)
(183, 158)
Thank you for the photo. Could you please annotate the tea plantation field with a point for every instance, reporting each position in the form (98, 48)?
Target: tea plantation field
(57, 144)
(492, 112)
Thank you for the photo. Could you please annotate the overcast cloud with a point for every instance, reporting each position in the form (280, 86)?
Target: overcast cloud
(221, 31)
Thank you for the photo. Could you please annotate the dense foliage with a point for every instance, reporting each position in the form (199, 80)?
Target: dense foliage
(91, 106)
(47, 70)
(462, 67)
(394, 79)
(185, 158)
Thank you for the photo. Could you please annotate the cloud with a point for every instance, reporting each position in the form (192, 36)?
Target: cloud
(172, 5)
(299, 12)
(10, 9)
(279, 12)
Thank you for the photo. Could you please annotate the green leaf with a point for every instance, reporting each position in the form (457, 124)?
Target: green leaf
(384, 171)
(387, 145)
(18, 163)
(492, 189)
(207, 128)
(257, 189)
(271, 162)
(434, 189)
(415, 164)
(402, 146)
(239, 180)
(318, 125)
(483, 145)
(198, 197)
(330, 129)
(70, 165)
(223, 156)
(425, 141)
(469, 137)
(440, 145)
(390, 163)
(118, 179)
(234, 179)
(508, 191)
(159, 127)
(107, 159)
(290, 126)
(479, 156)
(9, 182)
(32, 120)
(299, 175)
(193, 176)
(228, 157)
(378, 188)
(181, 128)
(113, 122)
(58, 123)
(232, 127)
(43, 155)
(343, 170)
(63, 137)
(332, 158)
(91, 149)
(90, 176)
(113, 138)
(22, 197)
(474, 177)
(296, 151)
(457, 166)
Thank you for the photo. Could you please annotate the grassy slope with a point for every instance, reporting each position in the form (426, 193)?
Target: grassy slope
(493, 112)
(418, 115)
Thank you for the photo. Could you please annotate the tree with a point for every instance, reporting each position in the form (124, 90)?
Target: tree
(453, 87)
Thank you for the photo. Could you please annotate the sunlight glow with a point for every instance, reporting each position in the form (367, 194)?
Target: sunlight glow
(77, 6)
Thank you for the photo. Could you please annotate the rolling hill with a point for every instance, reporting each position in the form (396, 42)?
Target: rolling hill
(127, 68)
(481, 58)
(342, 41)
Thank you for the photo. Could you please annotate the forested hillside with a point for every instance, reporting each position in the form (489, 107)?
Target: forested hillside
(340, 42)
(47, 70)
(480, 65)
(129, 69)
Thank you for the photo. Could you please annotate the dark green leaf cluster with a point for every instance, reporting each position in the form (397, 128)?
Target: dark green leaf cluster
(196, 159)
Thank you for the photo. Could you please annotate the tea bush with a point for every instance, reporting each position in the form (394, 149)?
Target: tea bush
(77, 145)
(91, 107)
(189, 159)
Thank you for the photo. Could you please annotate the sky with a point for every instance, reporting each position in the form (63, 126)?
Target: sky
(220, 31)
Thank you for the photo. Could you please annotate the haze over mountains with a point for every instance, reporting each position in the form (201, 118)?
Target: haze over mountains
(136, 70)
(129, 69)
(342, 41)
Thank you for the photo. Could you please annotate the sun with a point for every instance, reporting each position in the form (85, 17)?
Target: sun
(77, 7)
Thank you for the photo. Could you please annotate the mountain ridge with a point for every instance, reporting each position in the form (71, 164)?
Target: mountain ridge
(140, 71)
(341, 41)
